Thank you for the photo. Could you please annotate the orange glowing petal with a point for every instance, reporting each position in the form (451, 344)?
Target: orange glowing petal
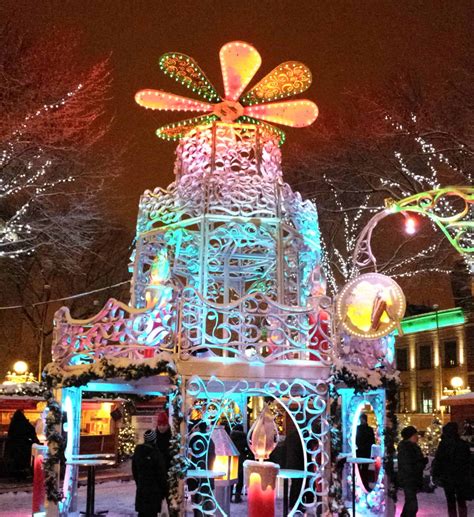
(239, 63)
(286, 80)
(158, 100)
(288, 113)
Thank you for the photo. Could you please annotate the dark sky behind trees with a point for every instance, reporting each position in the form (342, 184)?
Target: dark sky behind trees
(349, 45)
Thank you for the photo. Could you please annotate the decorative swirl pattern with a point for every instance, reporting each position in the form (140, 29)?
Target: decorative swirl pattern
(288, 79)
(253, 328)
(352, 405)
(116, 331)
(305, 402)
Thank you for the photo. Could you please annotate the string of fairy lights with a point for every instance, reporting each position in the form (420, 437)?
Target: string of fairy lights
(25, 176)
(337, 261)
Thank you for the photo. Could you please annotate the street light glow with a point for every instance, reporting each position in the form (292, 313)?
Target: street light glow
(410, 225)
(457, 382)
(20, 367)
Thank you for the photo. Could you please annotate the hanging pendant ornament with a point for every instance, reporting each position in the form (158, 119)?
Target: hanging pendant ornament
(239, 63)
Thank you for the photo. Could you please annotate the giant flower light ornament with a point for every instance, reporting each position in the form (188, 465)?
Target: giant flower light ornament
(239, 63)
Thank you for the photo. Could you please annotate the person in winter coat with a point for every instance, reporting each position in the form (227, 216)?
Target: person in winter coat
(411, 464)
(240, 441)
(149, 473)
(452, 470)
(21, 436)
(163, 437)
(365, 438)
(294, 460)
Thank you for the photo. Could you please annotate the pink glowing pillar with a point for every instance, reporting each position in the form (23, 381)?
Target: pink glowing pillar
(261, 482)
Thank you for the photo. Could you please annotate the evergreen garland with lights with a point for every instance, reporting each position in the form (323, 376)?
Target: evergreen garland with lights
(179, 462)
(56, 446)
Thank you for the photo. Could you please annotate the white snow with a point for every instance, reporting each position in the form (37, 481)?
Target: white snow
(119, 497)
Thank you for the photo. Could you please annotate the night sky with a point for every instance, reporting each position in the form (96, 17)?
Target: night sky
(348, 45)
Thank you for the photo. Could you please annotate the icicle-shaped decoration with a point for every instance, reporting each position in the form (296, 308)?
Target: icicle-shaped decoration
(263, 435)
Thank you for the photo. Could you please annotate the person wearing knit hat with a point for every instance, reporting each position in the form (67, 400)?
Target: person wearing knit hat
(163, 437)
(408, 432)
(411, 464)
(149, 436)
(149, 472)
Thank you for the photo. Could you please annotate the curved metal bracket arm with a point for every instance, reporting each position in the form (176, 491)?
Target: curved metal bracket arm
(457, 226)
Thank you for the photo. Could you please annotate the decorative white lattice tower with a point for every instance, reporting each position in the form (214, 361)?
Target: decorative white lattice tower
(226, 294)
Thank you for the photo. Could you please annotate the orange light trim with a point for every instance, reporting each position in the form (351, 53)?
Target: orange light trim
(158, 100)
(239, 63)
(287, 113)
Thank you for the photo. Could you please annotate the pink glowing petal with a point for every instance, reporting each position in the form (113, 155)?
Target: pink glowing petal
(288, 113)
(239, 63)
(158, 100)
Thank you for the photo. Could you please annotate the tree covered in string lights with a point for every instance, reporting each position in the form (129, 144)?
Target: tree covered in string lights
(409, 139)
(51, 163)
(54, 169)
(432, 436)
(126, 434)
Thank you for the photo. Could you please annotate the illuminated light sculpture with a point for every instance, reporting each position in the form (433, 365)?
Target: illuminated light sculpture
(371, 306)
(263, 435)
(239, 63)
(225, 281)
(227, 461)
(261, 476)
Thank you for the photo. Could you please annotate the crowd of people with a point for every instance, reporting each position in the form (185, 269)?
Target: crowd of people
(451, 467)
(451, 470)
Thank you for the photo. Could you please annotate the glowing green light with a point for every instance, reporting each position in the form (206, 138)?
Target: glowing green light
(433, 320)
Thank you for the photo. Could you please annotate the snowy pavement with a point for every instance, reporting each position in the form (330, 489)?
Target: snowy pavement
(118, 498)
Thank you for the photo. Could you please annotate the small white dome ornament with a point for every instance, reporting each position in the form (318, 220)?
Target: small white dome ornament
(263, 435)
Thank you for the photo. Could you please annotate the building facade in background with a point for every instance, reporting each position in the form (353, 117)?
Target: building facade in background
(436, 347)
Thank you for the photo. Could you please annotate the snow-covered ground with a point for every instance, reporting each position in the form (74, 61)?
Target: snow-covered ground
(118, 498)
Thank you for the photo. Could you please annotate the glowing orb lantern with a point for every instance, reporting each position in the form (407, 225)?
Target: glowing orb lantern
(371, 306)
(239, 63)
(263, 435)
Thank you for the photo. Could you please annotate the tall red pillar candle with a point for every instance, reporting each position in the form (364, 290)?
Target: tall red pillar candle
(261, 480)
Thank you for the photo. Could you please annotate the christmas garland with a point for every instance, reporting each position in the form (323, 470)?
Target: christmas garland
(28, 389)
(179, 462)
(336, 500)
(81, 375)
(56, 446)
(77, 376)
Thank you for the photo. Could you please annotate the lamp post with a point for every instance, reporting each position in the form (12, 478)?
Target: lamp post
(43, 314)
(437, 358)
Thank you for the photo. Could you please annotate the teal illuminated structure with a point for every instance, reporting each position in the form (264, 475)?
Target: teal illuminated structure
(433, 320)
(227, 300)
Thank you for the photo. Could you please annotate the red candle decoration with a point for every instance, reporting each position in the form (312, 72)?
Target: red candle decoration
(261, 481)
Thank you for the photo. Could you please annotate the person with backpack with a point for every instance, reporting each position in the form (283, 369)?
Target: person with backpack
(452, 470)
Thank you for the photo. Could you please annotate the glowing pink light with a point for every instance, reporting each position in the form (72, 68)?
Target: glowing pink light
(410, 225)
